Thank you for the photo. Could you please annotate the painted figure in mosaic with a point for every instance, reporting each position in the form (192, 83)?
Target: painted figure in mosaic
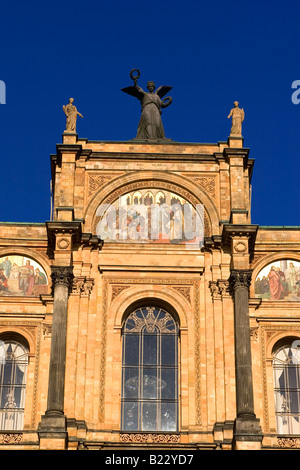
(150, 125)
(238, 115)
(71, 112)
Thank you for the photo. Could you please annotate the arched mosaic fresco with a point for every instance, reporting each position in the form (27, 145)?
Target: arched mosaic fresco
(279, 280)
(153, 216)
(22, 276)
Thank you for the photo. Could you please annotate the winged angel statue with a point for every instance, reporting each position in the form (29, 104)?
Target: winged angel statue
(150, 125)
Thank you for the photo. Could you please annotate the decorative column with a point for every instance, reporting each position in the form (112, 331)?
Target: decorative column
(54, 420)
(62, 277)
(247, 428)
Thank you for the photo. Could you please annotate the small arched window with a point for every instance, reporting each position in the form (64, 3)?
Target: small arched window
(13, 374)
(149, 371)
(286, 366)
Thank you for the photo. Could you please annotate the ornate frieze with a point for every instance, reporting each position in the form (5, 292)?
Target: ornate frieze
(11, 438)
(146, 438)
(288, 442)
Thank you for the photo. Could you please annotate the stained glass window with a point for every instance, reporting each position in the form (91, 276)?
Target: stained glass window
(286, 366)
(150, 371)
(13, 372)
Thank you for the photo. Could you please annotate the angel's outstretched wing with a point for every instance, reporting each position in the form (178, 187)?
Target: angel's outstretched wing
(133, 91)
(163, 90)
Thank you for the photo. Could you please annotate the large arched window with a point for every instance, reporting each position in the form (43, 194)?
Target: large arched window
(150, 371)
(13, 373)
(286, 366)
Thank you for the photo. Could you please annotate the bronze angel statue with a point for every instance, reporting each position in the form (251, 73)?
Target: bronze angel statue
(150, 125)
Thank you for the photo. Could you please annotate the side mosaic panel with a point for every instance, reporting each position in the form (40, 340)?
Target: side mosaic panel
(22, 276)
(279, 280)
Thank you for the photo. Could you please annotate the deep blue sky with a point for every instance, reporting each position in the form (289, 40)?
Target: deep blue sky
(212, 53)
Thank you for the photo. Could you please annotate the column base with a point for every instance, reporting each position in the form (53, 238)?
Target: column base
(247, 433)
(52, 431)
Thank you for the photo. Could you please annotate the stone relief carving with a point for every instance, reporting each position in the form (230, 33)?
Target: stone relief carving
(149, 438)
(219, 288)
(82, 286)
(98, 180)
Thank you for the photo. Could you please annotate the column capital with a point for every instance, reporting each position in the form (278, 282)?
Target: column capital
(240, 278)
(62, 275)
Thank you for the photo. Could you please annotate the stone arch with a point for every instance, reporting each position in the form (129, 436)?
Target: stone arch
(180, 185)
(277, 340)
(137, 295)
(17, 333)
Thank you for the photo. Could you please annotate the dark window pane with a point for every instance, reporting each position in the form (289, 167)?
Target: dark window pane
(130, 416)
(131, 349)
(150, 349)
(131, 382)
(168, 356)
(150, 384)
(168, 380)
(149, 416)
(168, 417)
(293, 404)
(292, 376)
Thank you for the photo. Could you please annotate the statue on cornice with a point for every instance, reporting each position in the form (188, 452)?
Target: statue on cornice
(71, 112)
(238, 116)
(150, 125)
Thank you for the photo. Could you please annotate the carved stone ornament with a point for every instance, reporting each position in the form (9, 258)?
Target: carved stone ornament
(62, 275)
(11, 438)
(240, 278)
(63, 243)
(288, 442)
(214, 289)
(240, 247)
(83, 286)
(149, 438)
(219, 288)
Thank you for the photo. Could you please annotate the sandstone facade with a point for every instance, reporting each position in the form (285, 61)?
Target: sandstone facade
(86, 308)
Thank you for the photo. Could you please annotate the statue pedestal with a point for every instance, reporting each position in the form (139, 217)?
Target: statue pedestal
(69, 137)
(236, 141)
